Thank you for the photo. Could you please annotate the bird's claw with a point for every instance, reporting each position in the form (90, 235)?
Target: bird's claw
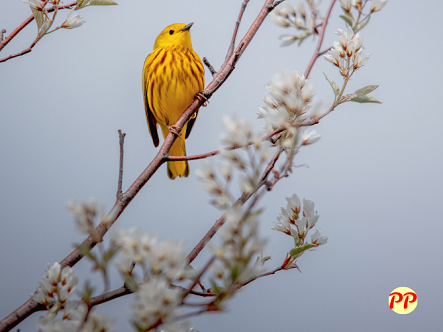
(201, 96)
(173, 129)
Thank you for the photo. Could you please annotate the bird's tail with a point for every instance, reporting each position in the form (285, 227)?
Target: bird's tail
(177, 168)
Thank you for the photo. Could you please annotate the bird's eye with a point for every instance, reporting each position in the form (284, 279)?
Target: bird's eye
(171, 32)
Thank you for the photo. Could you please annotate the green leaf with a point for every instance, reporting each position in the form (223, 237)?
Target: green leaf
(299, 250)
(45, 27)
(38, 16)
(102, 3)
(334, 86)
(346, 19)
(364, 99)
(365, 90)
(362, 24)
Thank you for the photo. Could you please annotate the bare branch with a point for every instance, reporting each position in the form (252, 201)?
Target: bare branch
(120, 171)
(317, 52)
(237, 24)
(2, 34)
(211, 69)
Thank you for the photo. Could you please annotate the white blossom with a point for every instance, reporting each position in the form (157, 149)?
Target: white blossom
(280, 21)
(35, 4)
(73, 21)
(310, 137)
(69, 282)
(237, 132)
(378, 5)
(301, 8)
(155, 300)
(360, 59)
(308, 211)
(317, 239)
(346, 4)
(282, 225)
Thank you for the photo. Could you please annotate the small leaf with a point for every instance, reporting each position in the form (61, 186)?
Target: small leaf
(45, 27)
(346, 19)
(299, 250)
(364, 99)
(264, 259)
(334, 86)
(102, 3)
(38, 16)
(365, 90)
(362, 24)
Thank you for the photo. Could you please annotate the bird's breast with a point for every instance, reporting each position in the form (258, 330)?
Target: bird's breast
(173, 77)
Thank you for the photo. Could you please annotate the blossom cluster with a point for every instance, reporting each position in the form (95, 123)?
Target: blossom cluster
(161, 262)
(302, 222)
(155, 302)
(375, 7)
(165, 258)
(237, 252)
(287, 16)
(291, 98)
(57, 286)
(237, 134)
(74, 315)
(347, 53)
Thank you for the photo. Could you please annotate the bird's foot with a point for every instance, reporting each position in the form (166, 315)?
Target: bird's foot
(173, 129)
(202, 97)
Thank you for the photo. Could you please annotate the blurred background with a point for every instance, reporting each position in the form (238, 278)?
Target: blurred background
(375, 176)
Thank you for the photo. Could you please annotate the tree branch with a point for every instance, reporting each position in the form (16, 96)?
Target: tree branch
(317, 52)
(237, 24)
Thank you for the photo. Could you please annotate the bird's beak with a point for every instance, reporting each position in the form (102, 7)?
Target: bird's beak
(187, 27)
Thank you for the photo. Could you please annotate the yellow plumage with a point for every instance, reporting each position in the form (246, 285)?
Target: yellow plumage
(172, 75)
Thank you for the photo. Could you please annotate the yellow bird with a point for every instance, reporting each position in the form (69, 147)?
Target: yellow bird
(173, 75)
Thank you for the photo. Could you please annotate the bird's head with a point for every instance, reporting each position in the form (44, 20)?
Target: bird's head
(176, 34)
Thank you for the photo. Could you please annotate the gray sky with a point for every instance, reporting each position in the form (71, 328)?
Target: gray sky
(375, 176)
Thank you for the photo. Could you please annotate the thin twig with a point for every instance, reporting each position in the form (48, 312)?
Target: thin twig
(197, 279)
(25, 51)
(320, 40)
(2, 34)
(237, 24)
(120, 170)
(207, 63)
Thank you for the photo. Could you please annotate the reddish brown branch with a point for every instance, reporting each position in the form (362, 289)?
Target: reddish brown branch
(317, 52)
(14, 33)
(207, 63)
(237, 24)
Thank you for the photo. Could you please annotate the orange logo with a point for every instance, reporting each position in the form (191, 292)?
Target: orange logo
(403, 300)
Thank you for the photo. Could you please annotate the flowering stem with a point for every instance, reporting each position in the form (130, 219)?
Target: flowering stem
(24, 24)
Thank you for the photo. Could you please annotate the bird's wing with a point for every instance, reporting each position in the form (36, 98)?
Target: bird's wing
(201, 85)
(191, 124)
(152, 122)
